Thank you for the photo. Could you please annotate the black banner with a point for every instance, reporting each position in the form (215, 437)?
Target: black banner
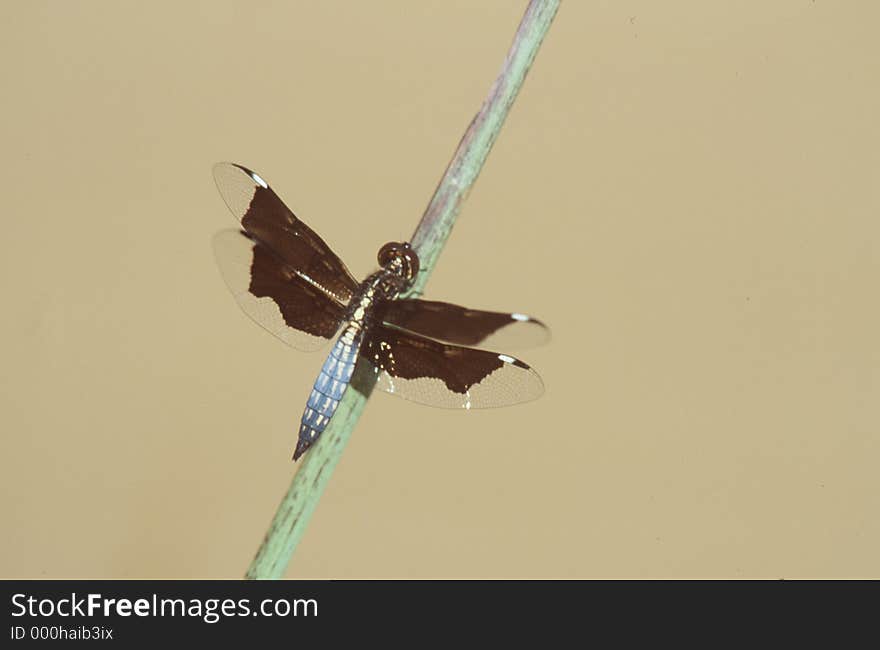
(236, 611)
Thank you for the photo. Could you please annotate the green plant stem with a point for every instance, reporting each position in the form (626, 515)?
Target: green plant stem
(308, 483)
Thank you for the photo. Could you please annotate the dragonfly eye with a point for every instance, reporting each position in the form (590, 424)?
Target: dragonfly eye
(400, 259)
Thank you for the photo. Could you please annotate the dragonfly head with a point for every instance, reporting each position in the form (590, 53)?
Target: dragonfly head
(399, 259)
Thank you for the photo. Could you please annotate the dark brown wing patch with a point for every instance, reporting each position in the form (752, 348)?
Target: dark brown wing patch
(273, 295)
(266, 218)
(437, 374)
(447, 322)
(302, 306)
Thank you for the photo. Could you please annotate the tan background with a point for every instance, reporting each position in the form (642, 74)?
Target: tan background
(687, 192)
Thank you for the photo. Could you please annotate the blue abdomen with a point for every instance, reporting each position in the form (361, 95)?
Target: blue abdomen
(329, 387)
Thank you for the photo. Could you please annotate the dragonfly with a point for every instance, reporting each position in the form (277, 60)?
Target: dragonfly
(288, 280)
